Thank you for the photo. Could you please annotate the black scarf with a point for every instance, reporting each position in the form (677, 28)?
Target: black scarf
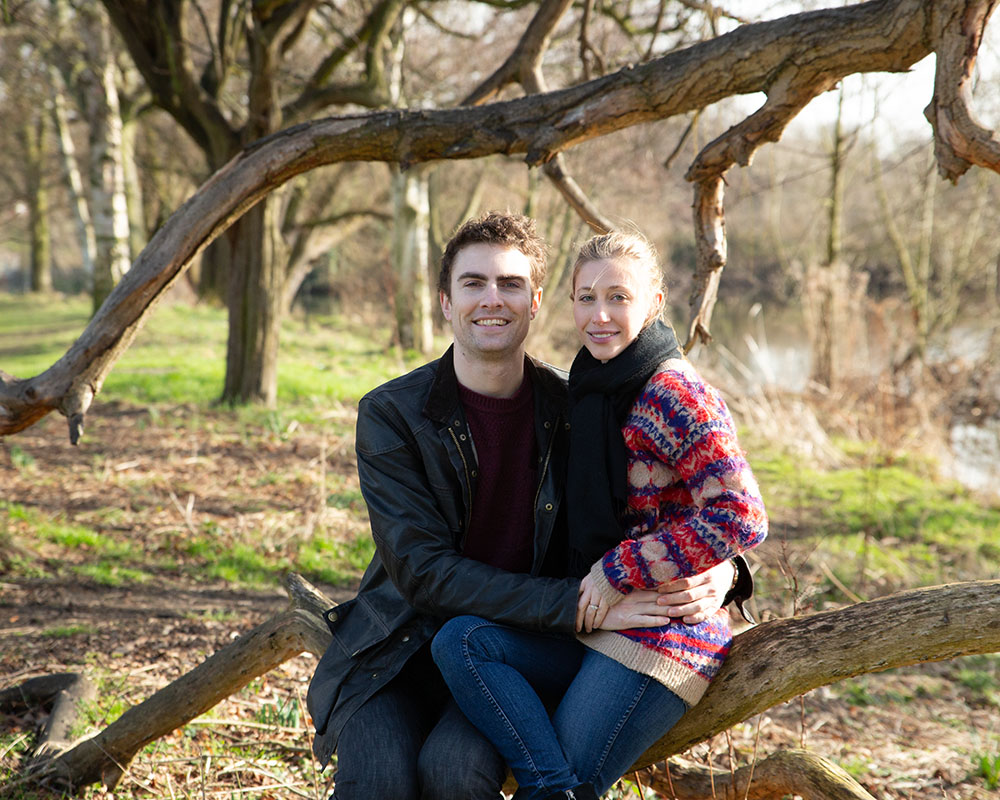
(600, 396)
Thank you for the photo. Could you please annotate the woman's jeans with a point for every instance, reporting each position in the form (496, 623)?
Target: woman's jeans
(604, 715)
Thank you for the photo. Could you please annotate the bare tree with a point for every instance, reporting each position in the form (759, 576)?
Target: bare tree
(791, 59)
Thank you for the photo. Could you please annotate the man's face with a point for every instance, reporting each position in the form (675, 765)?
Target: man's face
(492, 302)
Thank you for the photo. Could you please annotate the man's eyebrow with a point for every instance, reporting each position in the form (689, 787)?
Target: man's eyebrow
(500, 278)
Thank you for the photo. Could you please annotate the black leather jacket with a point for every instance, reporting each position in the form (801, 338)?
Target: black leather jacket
(418, 474)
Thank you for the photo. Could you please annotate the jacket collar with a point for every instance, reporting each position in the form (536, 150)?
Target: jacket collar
(443, 396)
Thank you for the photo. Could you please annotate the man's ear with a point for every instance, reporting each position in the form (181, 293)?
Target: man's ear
(445, 304)
(536, 302)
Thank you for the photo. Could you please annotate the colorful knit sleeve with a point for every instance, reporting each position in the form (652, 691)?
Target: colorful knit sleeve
(690, 487)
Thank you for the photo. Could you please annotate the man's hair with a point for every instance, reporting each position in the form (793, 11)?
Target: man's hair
(506, 230)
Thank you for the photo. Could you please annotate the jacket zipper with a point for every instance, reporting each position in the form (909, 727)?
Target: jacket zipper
(468, 482)
(545, 464)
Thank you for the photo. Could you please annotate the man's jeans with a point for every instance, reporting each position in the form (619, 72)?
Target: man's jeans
(411, 742)
(503, 679)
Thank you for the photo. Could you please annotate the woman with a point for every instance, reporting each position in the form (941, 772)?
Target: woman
(658, 489)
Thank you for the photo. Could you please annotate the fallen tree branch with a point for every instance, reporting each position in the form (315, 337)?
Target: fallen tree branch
(105, 757)
(785, 658)
(782, 774)
(768, 665)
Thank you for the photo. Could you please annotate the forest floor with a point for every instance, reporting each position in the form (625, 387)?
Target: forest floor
(145, 601)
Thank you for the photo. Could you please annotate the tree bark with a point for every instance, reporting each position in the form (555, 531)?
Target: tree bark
(792, 59)
(107, 170)
(40, 248)
(411, 256)
(783, 774)
(74, 179)
(767, 665)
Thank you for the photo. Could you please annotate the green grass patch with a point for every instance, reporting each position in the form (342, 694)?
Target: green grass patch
(179, 355)
(68, 631)
(987, 767)
(880, 516)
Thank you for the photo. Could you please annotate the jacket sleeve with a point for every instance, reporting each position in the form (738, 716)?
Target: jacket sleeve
(417, 548)
(683, 424)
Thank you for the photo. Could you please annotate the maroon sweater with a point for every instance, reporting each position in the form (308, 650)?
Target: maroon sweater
(502, 525)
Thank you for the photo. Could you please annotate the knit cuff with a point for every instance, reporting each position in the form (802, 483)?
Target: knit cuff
(601, 583)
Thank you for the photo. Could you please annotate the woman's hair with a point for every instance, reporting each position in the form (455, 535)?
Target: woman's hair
(627, 246)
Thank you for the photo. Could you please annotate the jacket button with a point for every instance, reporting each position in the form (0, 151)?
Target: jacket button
(406, 638)
(548, 506)
(461, 436)
(374, 675)
(567, 426)
(331, 616)
(475, 474)
(547, 424)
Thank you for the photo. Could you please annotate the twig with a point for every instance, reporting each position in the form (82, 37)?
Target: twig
(753, 760)
(854, 598)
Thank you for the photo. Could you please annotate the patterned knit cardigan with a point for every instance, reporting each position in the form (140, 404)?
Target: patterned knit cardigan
(693, 503)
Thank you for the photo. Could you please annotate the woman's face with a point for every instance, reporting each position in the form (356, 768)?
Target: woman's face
(611, 303)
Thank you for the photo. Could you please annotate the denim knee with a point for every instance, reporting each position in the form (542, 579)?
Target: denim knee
(450, 641)
(471, 775)
(386, 780)
(457, 762)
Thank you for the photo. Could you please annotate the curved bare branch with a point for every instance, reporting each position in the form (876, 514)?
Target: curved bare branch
(527, 55)
(960, 140)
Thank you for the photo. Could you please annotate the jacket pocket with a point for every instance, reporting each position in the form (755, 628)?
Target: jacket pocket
(356, 627)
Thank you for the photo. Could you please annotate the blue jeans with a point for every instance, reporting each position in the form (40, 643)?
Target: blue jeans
(560, 713)
(411, 742)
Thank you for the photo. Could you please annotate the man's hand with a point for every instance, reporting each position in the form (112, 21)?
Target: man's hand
(697, 598)
(591, 607)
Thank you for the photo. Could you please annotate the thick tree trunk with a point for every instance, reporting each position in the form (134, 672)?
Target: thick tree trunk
(256, 296)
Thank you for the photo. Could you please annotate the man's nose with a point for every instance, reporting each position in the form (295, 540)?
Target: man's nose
(491, 295)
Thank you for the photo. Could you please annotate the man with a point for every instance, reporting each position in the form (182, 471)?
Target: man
(462, 463)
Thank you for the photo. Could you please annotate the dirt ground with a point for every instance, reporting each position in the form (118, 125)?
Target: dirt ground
(908, 734)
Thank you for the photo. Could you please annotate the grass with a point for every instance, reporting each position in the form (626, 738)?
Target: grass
(179, 356)
(880, 522)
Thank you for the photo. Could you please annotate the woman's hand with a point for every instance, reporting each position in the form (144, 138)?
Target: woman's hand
(638, 609)
(697, 598)
(591, 607)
